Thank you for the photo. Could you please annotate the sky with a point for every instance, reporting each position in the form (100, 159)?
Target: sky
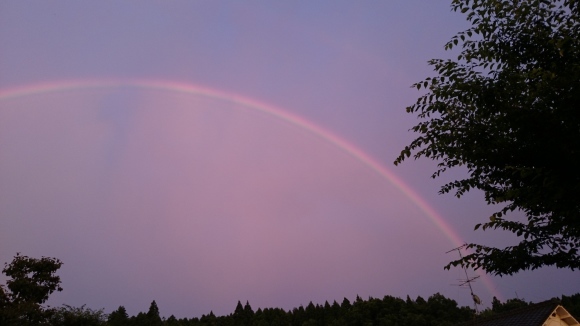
(197, 153)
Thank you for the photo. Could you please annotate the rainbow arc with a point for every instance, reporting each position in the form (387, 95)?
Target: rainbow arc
(252, 104)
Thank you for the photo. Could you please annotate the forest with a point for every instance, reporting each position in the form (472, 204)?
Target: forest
(30, 282)
(436, 310)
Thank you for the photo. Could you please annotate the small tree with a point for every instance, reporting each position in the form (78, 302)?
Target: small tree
(30, 283)
(153, 316)
(31, 279)
(118, 317)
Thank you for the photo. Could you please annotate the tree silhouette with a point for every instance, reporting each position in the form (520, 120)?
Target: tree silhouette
(30, 282)
(507, 110)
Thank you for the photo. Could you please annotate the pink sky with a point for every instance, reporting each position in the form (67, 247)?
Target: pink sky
(199, 201)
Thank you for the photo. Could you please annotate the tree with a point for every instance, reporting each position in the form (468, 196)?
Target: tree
(248, 311)
(243, 314)
(507, 110)
(153, 317)
(498, 307)
(118, 317)
(30, 283)
(31, 279)
(72, 316)
(172, 321)
(511, 304)
(572, 304)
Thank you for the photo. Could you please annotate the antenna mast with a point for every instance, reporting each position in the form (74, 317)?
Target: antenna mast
(468, 280)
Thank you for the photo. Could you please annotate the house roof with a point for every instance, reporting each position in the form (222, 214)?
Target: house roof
(532, 315)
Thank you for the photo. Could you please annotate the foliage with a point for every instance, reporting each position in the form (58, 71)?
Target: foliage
(30, 283)
(437, 310)
(19, 309)
(153, 317)
(118, 317)
(243, 314)
(507, 110)
(31, 279)
(511, 304)
(73, 316)
(572, 304)
(498, 307)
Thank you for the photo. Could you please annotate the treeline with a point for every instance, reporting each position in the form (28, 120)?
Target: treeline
(436, 310)
(31, 281)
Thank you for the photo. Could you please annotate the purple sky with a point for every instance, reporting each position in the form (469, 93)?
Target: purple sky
(199, 199)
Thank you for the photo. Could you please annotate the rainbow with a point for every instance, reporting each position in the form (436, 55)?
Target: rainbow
(186, 88)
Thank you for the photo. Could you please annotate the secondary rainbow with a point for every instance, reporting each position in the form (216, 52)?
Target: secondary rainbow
(186, 88)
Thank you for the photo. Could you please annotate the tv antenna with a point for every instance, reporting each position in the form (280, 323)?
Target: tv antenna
(468, 280)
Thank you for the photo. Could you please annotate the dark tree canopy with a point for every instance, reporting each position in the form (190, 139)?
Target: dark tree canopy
(77, 316)
(508, 110)
(30, 283)
(152, 315)
(118, 317)
(32, 279)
